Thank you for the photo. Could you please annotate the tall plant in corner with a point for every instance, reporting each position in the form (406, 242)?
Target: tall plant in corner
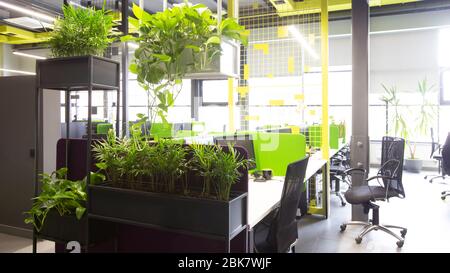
(390, 97)
(82, 32)
(165, 39)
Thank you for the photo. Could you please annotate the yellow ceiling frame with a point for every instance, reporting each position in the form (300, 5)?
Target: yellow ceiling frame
(16, 36)
(290, 7)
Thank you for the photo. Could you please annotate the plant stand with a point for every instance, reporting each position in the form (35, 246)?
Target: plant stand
(85, 73)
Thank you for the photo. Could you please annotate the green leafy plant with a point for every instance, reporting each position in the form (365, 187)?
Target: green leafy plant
(426, 114)
(400, 128)
(58, 193)
(167, 40)
(82, 31)
(219, 168)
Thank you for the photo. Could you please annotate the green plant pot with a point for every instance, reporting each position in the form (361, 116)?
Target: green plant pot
(413, 165)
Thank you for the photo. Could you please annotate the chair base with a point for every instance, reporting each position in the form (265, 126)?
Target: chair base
(433, 177)
(369, 226)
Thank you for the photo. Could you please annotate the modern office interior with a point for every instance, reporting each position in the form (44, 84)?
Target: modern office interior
(224, 126)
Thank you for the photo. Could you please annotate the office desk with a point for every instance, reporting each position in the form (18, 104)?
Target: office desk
(263, 197)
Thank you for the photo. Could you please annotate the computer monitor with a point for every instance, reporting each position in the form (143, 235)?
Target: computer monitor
(245, 141)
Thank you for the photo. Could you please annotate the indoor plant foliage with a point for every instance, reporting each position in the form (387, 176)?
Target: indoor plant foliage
(58, 193)
(163, 166)
(82, 32)
(165, 39)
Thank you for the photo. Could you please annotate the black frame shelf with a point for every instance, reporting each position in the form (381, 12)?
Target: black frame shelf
(71, 74)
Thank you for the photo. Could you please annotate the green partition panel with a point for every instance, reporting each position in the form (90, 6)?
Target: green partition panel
(276, 151)
(164, 130)
(185, 133)
(334, 136)
(103, 128)
(315, 136)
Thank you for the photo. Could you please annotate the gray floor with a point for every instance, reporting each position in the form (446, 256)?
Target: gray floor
(423, 212)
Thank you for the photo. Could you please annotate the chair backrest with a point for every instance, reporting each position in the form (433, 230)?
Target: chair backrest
(446, 156)
(283, 230)
(434, 144)
(392, 155)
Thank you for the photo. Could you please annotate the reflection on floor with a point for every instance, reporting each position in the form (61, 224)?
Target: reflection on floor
(423, 212)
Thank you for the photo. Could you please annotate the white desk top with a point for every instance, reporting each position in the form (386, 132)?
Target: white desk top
(263, 197)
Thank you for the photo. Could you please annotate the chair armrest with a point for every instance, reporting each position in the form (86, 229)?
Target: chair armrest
(378, 176)
(351, 170)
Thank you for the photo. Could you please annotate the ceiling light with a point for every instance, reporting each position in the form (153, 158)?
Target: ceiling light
(29, 55)
(299, 37)
(77, 5)
(27, 11)
(17, 71)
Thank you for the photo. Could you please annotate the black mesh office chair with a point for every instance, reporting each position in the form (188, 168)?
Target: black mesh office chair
(436, 154)
(390, 186)
(446, 163)
(277, 233)
(338, 166)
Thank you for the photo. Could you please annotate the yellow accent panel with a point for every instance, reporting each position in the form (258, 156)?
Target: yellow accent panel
(276, 102)
(294, 129)
(255, 118)
(246, 72)
(291, 65)
(243, 90)
(290, 7)
(13, 35)
(283, 32)
(263, 47)
(270, 75)
(299, 97)
(325, 62)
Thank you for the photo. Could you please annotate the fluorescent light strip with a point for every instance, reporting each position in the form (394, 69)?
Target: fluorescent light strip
(29, 55)
(77, 5)
(17, 71)
(299, 37)
(27, 11)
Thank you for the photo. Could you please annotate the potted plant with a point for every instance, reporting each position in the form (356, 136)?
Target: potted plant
(173, 43)
(165, 184)
(59, 211)
(424, 120)
(77, 42)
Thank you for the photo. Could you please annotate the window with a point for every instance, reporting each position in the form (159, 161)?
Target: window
(445, 87)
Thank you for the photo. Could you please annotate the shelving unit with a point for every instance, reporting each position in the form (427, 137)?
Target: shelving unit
(70, 74)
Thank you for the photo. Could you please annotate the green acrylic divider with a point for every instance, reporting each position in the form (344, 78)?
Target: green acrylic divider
(103, 128)
(334, 136)
(276, 151)
(164, 130)
(185, 133)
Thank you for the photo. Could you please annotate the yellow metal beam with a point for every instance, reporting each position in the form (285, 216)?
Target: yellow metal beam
(13, 35)
(324, 57)
(290, 7)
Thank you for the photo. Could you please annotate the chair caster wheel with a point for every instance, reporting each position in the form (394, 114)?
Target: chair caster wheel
(426, 176)
(403, 232)
(343, 227)
(400, 244)
(443, 192)
(358, 240)
(343, 204)
(443, 197)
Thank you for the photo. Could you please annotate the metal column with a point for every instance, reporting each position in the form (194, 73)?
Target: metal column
(125, 14)
(360, 96)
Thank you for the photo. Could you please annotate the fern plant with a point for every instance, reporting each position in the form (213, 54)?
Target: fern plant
(82, 31)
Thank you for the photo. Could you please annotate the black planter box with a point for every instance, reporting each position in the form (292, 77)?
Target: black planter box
(77, 73)
(68, 228)
(174, 212)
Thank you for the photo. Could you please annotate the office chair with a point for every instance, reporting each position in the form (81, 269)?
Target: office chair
(436, 154)
(390, 174)
(446, 163)
(339, 164)
(278, 232)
